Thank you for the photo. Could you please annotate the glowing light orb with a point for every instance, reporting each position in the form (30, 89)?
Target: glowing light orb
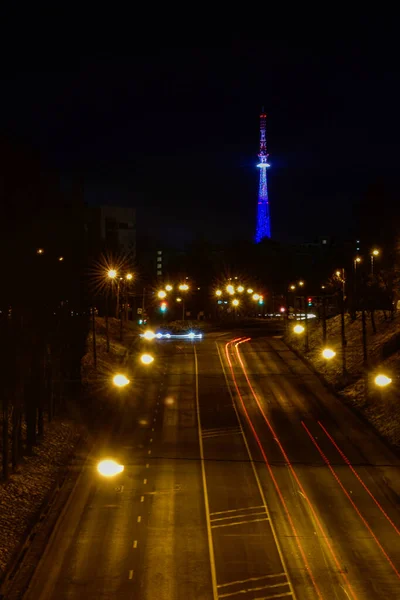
(382, 380)
(109, 468)
(149, 335)
(120, 380)
(298, 329)
(328, 353)
(161, 294)
(147, 359)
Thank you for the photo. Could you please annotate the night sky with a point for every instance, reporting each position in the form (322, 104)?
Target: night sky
(174, 131)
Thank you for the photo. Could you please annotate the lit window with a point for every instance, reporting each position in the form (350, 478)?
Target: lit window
(159, 251)
(324, 241)
(159, 259)
(159, 272)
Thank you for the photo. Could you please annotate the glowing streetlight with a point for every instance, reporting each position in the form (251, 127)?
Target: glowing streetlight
(298, 329)
(374, 254)
(338, 273)
(357, 259)
(109, 468)
(40, 251)
(112, 273)
(168, 288)
(301, 283)
(184, 287)
(328, 353)
(240, 289)
(382, 380)
(161, 294)
(179, 299)
(218, 293)
(149, 335)
(292, 287)
(129, 276)
(230, 289)
(256, 297)
(235, 302)
(60, 258)
(250, 291)
(147, 359)
(120, 380)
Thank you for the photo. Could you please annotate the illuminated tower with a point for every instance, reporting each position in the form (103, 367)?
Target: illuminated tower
(263, 228)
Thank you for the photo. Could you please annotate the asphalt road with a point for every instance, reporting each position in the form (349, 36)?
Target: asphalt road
(244, 479)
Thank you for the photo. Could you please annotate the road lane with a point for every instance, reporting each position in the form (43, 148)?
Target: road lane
(143, 536)
(293, 401)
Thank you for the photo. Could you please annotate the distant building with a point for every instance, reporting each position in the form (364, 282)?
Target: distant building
(112, 229)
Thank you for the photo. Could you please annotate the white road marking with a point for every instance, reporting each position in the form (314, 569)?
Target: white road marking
(152, 428)
(131, 574)
(144, 481)
(147, 466)
(135, 544)
(141, 498)
(238, 516)
(250, 579)
(203, 474)
(238, 523)
(256, 476)
(149, 452)
(223, 512)
(139, 519)
(257, 589)
(151, 439)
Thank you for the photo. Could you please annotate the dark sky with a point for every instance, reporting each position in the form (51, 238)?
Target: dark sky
(174, 131)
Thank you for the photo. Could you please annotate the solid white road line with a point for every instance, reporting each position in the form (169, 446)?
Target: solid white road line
(131, 574)
(203, 473)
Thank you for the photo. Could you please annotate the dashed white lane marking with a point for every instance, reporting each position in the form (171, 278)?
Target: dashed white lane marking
(151, 440)
(258, 589)
(248, 516)
(144, 481)
(139, 519)
(152, 428)
(135, 544)
(149, 452)
(141, 498)
(147, 466)
(131, 574)
(154, 420)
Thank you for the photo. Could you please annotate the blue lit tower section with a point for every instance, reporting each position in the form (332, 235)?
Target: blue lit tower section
(263, 229)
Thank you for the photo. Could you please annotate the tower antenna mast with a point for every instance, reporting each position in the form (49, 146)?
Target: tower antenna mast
(263, 226)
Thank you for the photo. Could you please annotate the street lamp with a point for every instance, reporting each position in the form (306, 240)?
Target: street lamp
(147, 359)
(240, 289)
(250, 291)
(161, 294)
(120, 380)
(40, 251)
(298, 329)
(109, 468)
(129, 276)
(301, 283)
(218, 293)
(374, 253)
(168, 288)
(382, 380)
(183, 288)
(235, 302)
(179, 299)
(230, 289)
(256, 297)
(328, 353)
(112, 273)
(149, 335)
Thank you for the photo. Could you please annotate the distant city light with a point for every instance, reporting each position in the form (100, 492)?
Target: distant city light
(250, 291)
(168, 288)
(120, 380)
(218, 293)
(149, 335)
(235, 302)
(240, 289)
(298, 329)
(147, 359)
(230, 289)
(161, 294)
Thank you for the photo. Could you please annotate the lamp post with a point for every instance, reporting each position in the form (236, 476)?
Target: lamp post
(183, 288)
(341, 275)
(111, 274)
(374, 253)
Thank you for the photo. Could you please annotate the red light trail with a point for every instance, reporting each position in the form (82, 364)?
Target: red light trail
(351, 500)
(295, 534)
(342, 454)
(311, 507)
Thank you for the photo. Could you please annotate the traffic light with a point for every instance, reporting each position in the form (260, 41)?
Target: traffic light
(309, 301)
(163, 307)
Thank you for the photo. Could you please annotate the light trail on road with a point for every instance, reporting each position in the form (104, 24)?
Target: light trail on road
(292, 470)
(279, 492)
(363, 519)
